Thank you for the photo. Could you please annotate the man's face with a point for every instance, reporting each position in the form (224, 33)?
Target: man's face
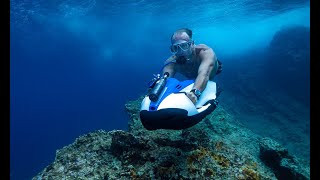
(181, 44)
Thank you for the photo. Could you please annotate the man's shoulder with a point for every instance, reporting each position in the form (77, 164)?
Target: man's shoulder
(203, 49)
(202, 46)
(171, 58)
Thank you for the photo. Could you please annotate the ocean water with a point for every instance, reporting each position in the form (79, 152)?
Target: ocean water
(74, 64)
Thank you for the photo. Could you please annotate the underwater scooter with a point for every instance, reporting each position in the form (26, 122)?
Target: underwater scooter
(167, 106)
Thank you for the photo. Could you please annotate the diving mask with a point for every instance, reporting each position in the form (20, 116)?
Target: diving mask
(183, 46)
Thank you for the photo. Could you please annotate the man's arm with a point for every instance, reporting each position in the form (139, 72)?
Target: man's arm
(170, 67)
(208, 59)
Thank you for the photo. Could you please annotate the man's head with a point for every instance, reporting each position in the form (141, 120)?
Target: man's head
(181, 42)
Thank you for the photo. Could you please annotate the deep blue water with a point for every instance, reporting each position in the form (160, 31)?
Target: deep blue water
(74, 64)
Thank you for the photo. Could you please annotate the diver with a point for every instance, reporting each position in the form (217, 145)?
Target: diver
(198, 62)
(174, 104)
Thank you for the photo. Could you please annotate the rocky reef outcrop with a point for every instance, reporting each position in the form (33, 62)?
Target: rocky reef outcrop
(216, 148)
(288, 61)
(268, 89)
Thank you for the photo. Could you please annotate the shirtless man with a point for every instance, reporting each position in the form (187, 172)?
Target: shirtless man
(197, 62)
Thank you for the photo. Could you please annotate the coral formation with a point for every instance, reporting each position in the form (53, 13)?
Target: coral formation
(212, 149)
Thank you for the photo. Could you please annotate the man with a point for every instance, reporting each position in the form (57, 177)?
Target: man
(197, 62)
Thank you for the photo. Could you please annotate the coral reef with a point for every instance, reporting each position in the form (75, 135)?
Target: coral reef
(283, 164)
(269, 91)
(216, 148)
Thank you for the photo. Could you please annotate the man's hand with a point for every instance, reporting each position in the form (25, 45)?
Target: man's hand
(192, 97)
